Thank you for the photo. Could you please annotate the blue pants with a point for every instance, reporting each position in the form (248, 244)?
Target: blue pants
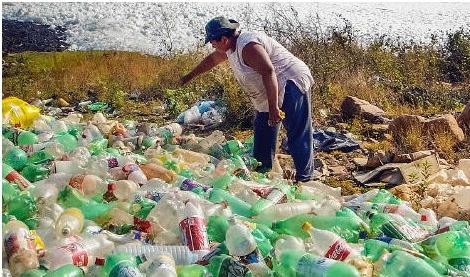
(298, 125)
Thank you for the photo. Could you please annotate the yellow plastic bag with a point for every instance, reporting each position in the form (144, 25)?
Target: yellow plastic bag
(18, 112)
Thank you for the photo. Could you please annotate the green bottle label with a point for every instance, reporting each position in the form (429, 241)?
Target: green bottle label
(125, 270)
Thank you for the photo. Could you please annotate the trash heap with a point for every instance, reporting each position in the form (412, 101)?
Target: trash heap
(108, 198)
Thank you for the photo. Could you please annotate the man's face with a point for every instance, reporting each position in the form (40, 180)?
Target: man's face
(220, 44)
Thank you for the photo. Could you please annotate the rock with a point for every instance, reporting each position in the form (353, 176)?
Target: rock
(427, 129)
(445, 124)
(464, 119)
(352, 107)
(378, 158)
(338, 170)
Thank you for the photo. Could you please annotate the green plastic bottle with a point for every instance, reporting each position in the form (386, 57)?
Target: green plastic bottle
(13, 176)
(281, 191)
(9, 191)
(400, 264)
(217, 226)
(447, 246)
(121, 265)
(237, 205)
(37, 272)
(395, 226)
(27, 138)
(347, 228)
(67, 270)
(225, 265)
(34, 173)
(222, 182)
(68, 141)
(23, 207)
(16, 158)
(70, 197)
(40, 157)
(192, 270)
(294, 263)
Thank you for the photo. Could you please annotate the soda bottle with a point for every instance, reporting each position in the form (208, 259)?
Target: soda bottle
(278, 194)
(153, 170)
(346, 227)
(286, 242)
(13, 176)
(216, 137)
(328, 244)
(193, 227)
(23, 206)
(401, 263)
(16, 158)
(26, 139)
(284, 210)
(301, 264)
(192, 270)
(395, 226)
(225, 265)
(237, 205)
(448, 245)
(217, 227)
(20, 247)
(123, 189)
(187, 184)
(34, 173)
(180, 253)
(191, 157)
(67, 270)
(122, 265)
(70, 222)
(161, 266)
(77, 251)
(70, 197)
(40, 157)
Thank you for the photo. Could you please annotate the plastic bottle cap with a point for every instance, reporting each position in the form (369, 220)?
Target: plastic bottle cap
(306, 226)
(112, 186)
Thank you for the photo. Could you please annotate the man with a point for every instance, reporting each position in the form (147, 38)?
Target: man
(278, 84)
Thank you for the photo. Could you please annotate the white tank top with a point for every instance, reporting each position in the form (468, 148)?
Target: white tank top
(286, 66)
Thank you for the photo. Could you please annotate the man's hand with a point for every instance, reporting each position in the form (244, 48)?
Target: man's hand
(275, 117)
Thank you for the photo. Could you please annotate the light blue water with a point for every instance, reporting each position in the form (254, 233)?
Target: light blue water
(157, 28)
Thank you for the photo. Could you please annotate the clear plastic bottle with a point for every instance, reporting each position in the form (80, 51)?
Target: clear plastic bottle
(153, 170)
(70, 222)
(285, 210)
(193, 227)
(78, 251)
(216, 137)
(124, 189)
(20, 247)
(238, 239)
(328, 244)
(180, 253)
(161, 266)
(400, 263)
(287, 242)
(301, 264)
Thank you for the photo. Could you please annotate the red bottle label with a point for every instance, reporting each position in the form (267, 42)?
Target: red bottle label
(338, 251)
(262, 191)
(194, 233)
(17, 178)
(77, 252)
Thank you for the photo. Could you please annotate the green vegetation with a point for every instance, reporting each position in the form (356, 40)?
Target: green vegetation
(395, 76)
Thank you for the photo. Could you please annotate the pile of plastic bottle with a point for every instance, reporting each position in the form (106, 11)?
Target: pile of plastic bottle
(104, 198)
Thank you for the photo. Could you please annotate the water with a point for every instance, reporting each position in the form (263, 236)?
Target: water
(161, 28)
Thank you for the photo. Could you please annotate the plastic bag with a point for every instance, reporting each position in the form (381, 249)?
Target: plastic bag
(18, 112)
